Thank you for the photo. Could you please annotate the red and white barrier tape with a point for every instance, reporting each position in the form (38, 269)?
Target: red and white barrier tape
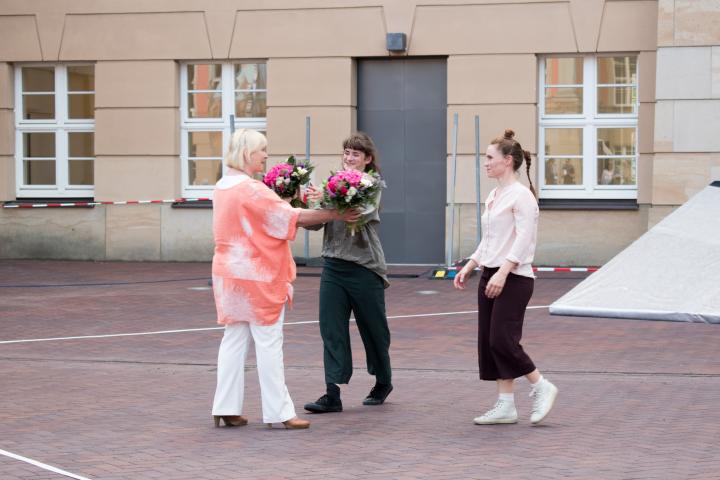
(556, 269)
(93, 204)
(566, 269)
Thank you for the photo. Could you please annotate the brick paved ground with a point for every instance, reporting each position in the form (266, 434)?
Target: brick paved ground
(638, 399)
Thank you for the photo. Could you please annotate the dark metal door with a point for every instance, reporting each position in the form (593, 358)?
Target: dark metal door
(402, 105)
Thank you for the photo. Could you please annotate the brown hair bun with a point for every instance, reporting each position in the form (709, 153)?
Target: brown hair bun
(507, 145)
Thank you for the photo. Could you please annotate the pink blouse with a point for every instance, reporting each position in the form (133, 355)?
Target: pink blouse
(252, 267)
(509, 227)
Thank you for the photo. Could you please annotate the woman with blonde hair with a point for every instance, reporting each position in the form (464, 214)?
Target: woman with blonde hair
(252, 273)
(505, 253)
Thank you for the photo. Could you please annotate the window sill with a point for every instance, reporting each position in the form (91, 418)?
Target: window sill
(587, 204)
(79, 202)
(201, 204)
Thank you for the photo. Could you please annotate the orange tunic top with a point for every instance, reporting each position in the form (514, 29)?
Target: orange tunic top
(252, 266)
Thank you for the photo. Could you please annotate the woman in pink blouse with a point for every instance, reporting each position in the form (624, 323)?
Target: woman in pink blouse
(505, 254)
(252, 273)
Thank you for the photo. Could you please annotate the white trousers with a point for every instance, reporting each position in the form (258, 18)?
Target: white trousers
(277, 406)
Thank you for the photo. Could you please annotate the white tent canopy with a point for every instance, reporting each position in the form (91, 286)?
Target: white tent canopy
(670, 273)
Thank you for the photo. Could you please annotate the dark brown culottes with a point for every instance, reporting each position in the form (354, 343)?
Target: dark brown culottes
(500, 324)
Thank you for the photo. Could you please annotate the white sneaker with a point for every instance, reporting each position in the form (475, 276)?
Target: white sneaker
(543, 396)
(502, 412)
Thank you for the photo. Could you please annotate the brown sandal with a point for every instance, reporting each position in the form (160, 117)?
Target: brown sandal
(230, 420)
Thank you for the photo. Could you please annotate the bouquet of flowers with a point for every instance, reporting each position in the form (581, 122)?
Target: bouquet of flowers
(353, 189)
(286, 179)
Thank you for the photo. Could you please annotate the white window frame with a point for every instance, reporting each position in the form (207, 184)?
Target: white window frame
(60, 126)
(589, 121)
(226, 124)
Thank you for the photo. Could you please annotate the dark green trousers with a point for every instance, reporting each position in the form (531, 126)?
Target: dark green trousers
(347, 287)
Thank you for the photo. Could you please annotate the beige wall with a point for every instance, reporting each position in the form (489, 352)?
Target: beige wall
(20, 41)
(310, 50)
(503, 99)
(7, 177)
(321, 88)
(137, 130)
(587, 238)
(68, 233)
(194, 29)
(647, 65)
(137, 147)
(687, 113)
(7, 133)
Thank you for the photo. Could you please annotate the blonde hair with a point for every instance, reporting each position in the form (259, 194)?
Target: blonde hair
(243, 143)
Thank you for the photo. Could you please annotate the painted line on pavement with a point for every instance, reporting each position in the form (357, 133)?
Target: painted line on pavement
(205, 329)
(42, 465)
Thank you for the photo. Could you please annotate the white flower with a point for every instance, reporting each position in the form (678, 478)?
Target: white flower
(294, 174)
(366, 182)
(287, 181)
(279, 181)
(302, 171)
(351, 192)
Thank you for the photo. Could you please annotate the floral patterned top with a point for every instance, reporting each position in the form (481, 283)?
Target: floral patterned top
(252, 266)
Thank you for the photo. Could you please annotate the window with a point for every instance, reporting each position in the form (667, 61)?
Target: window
(215, 99)
(55, 125)
(588, 127)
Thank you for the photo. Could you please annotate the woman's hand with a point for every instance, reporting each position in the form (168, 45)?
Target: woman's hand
(495, 284)
(310, 217)
(314, 193)
(349, 216)
(459, 280)
(461, 277)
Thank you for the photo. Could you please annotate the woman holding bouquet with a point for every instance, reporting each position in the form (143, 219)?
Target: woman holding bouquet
(354, 279)
(506, 285)
(252, 274)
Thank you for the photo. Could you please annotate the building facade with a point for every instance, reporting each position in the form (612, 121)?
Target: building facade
(617, 100)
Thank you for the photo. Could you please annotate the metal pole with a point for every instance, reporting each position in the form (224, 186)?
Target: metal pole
(478, 234)
(307, 157)
(307, 137)
(451, 244)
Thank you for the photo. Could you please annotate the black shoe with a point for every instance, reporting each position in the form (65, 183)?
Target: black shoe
(325, 404)
(378, 394)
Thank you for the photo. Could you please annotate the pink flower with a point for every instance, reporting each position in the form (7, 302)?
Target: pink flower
(352, 177)
(352, 189)
(287, 178)
(281, 170)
